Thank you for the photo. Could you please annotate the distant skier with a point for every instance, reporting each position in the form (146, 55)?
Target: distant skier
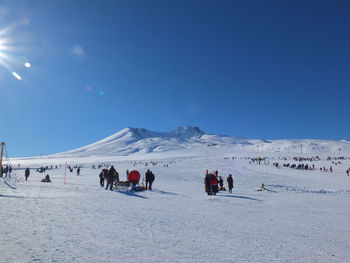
(230, 183)
(27, 173)
(78, 171)
(348, 171)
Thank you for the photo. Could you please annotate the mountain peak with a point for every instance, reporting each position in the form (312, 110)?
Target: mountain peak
(188, 131)
(180, 132)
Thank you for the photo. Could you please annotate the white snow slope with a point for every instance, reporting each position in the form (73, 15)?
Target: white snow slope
(304, 218)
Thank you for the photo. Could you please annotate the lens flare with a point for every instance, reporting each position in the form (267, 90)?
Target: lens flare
(11, 48)
(16, 75)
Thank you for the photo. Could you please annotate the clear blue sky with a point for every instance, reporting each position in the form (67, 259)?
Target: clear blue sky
(255, 69)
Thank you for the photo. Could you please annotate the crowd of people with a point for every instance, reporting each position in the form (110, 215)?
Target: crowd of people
(213, 183)
(43, 169)
(6, 171)
(110, 178)
(301, 166)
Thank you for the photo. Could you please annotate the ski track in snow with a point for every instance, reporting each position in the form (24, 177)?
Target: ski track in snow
(305, 218)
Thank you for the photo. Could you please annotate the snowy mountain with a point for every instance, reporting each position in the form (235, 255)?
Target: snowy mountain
(192, 140)
(140, 141)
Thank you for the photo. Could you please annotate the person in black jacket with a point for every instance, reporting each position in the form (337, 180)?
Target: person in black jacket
(230, 183)
(27, 173)
(111, 176)
(102, 179)
(221, 183)
(5, 170)
(103, 176)
(149, 179)
(207, 183)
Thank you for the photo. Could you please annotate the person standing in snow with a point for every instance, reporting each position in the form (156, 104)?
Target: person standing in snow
(105, 175)
(149, 179)
(214, 183)
(111, 176)
(78, 171)
(207, 182)
(5, 170)
(27, 173)
(348, 171)
(230, 183)
(221, 183)
(102, 178)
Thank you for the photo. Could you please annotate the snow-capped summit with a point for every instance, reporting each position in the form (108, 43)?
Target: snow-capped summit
(188, 131)
(189, 140)
(180, 132)
(139, 140)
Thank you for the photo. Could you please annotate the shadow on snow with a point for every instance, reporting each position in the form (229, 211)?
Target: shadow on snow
(241, 197)
(164, 192)
(131, 193)
(12, 196)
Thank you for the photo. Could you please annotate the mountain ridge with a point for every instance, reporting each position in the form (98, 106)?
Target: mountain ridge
(191, 139)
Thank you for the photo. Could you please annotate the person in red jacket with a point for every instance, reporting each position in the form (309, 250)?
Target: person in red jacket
(214, 184)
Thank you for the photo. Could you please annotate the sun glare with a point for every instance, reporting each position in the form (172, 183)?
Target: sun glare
(10, 59)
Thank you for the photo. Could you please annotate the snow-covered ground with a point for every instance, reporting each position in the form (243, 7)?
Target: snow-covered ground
(304, 218)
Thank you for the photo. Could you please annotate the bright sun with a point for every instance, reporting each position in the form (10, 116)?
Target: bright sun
(9, 59)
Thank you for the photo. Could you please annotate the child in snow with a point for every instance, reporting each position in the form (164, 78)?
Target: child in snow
(263, 188)
(46, 179)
